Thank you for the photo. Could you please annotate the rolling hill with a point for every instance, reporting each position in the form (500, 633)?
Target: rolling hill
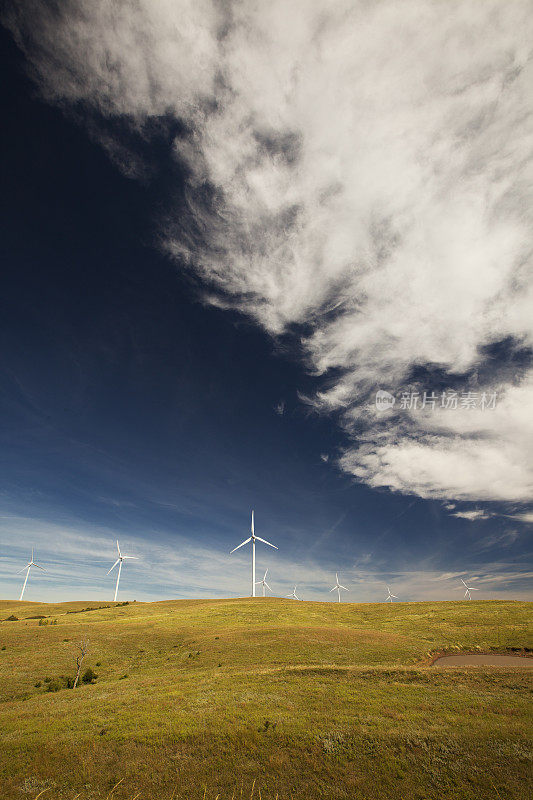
(262, 698)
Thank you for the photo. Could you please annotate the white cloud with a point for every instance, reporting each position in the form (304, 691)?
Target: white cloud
(472, 515)
(463, 453)
(367, 172)
(525, 516)
(279, 408)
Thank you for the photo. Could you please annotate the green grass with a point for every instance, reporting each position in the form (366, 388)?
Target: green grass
(309, 700)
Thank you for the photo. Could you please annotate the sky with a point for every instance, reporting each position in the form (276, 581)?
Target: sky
(269, 257)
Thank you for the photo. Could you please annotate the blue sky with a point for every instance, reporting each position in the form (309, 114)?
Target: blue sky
(194, 326)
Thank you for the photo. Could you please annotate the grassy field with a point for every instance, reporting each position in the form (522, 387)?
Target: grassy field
(199, 699)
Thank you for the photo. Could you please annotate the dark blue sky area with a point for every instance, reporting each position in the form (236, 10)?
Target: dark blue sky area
(129, 408)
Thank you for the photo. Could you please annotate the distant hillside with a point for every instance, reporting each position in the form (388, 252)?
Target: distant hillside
(308, 700)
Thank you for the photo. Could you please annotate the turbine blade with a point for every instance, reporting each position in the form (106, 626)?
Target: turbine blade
(135, 557)
(265, 542)
(332, 590)
(264, 576)
(38, 567)
(464, 584)
(113, 567)
(268, 587)
(343, 587)
(118, 548)
(23, 568)
(252, 527)
(473, 589)
(336, 577)
(249, 539)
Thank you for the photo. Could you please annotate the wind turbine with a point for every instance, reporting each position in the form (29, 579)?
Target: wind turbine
(119, 561)
(389, 598)
(468, 590)
(338, 587)
(253, 538)
(264, 583)
(293, 596)
(27, 568)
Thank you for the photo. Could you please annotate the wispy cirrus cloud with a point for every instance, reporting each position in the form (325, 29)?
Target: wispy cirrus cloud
(77, 556)
(359, 178)
(525, 516)
(471, 515)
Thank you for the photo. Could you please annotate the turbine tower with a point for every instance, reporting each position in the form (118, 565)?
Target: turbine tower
(468, 590)
(264, 583)
(338, 587)
(293, 596)
(253, 539)
(389, 598)
(28, 566)
(119, 561)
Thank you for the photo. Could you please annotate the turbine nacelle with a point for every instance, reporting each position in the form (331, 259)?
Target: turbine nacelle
(390, 596)
(468, 590)
(253, 539)
(119, 561)
(263, 583)
(338, 586)
(293, 596)
(27, 568)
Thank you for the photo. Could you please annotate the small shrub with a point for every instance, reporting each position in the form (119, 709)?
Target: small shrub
(98, 663)
(43, 621)
(4, 647)
(123, 677)
(61, 682)
(38, 685)
(12, 618)
(266, 726)
(89, 676)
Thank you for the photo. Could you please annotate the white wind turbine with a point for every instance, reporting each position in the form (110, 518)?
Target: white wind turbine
(28, 566)
(119, 561)
(264, 583)
(389, 598)
(468, 590)
(253, 538)
(338, 587)
(293, 596)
